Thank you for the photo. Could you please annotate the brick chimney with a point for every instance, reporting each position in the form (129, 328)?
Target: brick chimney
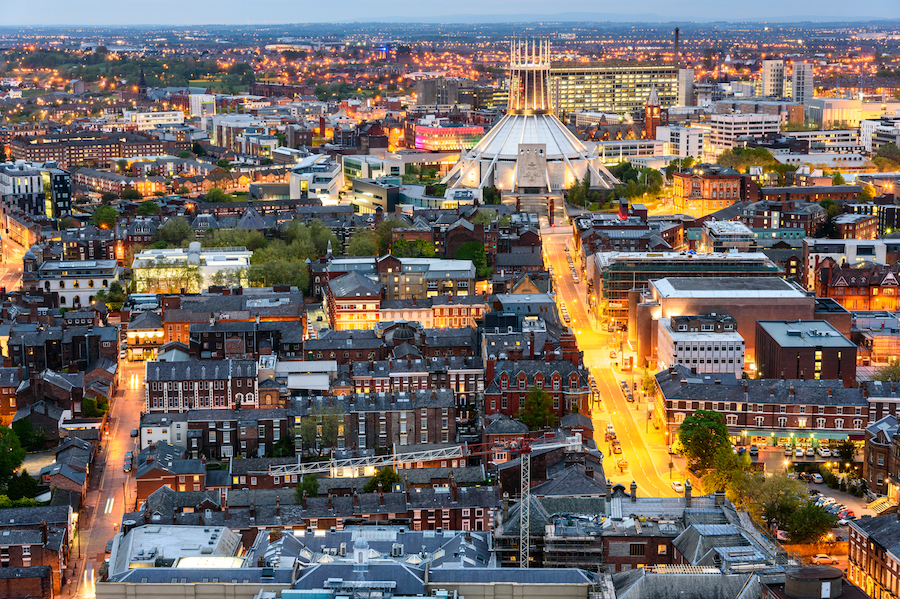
(44, 534)
(355, 498)
(687, 493)
(453, 492)
(380, 494)
(608, 491)
(303, 501)
(633, 492)
(720, 497)
(277, 505)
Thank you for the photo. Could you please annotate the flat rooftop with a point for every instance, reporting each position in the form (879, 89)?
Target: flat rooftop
(804, 333)
(721, 287)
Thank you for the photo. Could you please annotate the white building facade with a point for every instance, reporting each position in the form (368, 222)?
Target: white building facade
(709, 343)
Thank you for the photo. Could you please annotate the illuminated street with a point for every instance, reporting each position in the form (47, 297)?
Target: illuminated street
(639, 447)
(104, 505)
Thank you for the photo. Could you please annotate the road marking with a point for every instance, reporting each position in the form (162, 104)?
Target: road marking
(109, 505)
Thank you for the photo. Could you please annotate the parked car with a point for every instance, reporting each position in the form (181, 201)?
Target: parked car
(822, 558)
(845, 513)
(810, 452)
(754, 450)
(613, 355)
(109, 546)
(134, 433)
(806, 476)
(617, 449)
(799, 452)
(622, 463)
(824, 452)
(677, 486)
(787, 451)
(817, 478)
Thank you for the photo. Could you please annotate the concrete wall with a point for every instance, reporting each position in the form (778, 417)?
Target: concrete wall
(503, 590)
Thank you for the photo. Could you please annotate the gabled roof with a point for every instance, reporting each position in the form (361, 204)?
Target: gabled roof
(353, 284)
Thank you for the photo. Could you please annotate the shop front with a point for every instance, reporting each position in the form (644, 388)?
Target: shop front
(793, 439)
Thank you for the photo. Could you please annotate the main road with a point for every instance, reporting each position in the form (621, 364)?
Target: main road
(643, 447)
(112, 490)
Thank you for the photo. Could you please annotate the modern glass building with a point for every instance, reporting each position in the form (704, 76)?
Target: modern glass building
(620, 87)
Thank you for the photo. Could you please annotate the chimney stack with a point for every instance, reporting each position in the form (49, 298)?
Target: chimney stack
(380, 494)
(608, 491)
(355, 498)
(633, 492)
(687, 493)
(303, 501)
(453, 492)
(278, 506)
(329, 500)
(505, 506)
(720, 497)
(677, 47)
(44, 534)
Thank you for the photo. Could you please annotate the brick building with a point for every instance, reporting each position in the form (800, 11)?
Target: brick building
(874, 556)
(870, 286)
(879, 459)
(804, 349)
(463, 375)
(198, 384)
(856, 226)
(705, 188)
(764, 412)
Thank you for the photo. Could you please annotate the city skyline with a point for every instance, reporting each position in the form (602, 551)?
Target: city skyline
(169, 12)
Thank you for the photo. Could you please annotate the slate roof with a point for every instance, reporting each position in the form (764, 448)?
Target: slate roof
(776, 391)
(41, 407)
(571, 483)
(884, 530)
(199, 370)
(354, 284)
(576, 420)
(502, 424)
(33, 516)
(882, 431)
(638, 584)
(146, 321)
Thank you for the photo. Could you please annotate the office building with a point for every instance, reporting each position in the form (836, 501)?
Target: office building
(879, 461)
(188, 270)
(615, 87)
(726, 236)
(35, 189)
(869, 286)
(83, 147)
(856, 226)
(804, 349)
(685, 87)
(728, 131)
(682, 141)
(705, 342)
(372, 195)
(142, 121)
(614, 274)
(745, 299)
(444, 90)
(791, 214)
(200, 384)
(802, 82)
(773, 78)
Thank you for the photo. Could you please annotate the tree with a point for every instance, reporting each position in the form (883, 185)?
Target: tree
(867, 193)
(148, 208)
(11, 454)
(838, 179)
(845, 452)
(104, 217)
(648, 383)
(216, 195)
(891, 372)
(122, 164)
(223, 163)
(417, 248)
(362, 243)
(701, 435)
(536, 412)
(320, 428)
(114, 297)
(386, 476)
(22, 486)
(808, 523)
(889, 151)
(108, 197)
(284, 447)
(310, 484)
(183, 154)
(131, 194)
(384, 233)
(175, 232)
(474, 251)
(29, 438)
(198, 150)
(491, 195)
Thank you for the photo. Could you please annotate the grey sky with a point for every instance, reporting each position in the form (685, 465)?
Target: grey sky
(189, 12)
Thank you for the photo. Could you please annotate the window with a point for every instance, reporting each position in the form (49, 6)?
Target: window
(636, 549)
(820, 423)
(838, 423)
(782, 421)
(661, 550)
(760, 420)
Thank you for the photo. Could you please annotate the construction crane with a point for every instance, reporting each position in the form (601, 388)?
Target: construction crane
(525, 505)
(366, 466)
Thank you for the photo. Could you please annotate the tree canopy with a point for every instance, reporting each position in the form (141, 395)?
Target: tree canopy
(536, 412)
(104, 217)
(701, 435)
(148, 208)
(741, 158)
(416, 248)
(175, 232)
(387, 476)
(474, 251)
(363, 243)
(11, 455)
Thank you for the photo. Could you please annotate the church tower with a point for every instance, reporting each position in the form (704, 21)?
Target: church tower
(652, 115)
(142, 85)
